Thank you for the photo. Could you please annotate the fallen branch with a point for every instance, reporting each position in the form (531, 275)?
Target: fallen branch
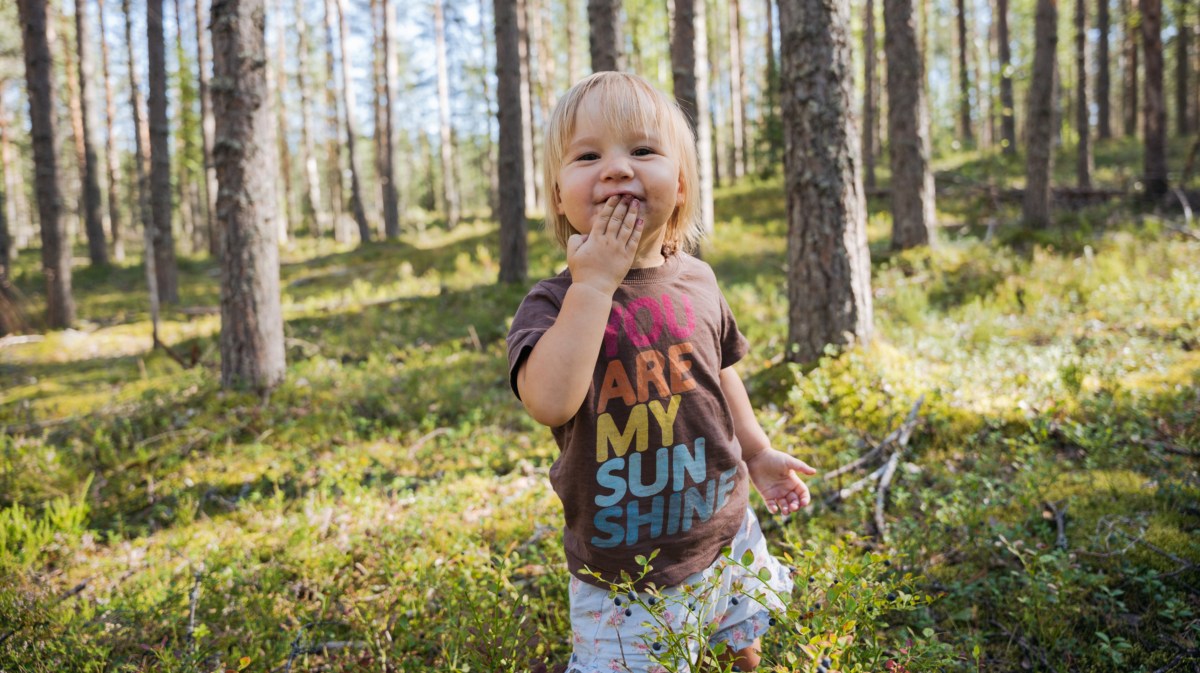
(899, 437)
(193, 600)
(1060, 522)
(417, 445)
(857, 463)
(881, 494)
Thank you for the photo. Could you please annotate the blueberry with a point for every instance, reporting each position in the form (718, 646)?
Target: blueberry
(735, 669)
(891, 596)
(811, 580)
(826, 662)
(772, 621)
(887, 562)
(652, 600)
(734, 600)
(632, 596)
(618, 600)
(657, 646)
(628, 612)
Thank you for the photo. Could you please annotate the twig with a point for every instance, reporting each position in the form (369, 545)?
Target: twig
(475, 339)
(412, 450)
(1060, 522)
(1187, 233)
(1169, 448)
(857, 463)
(899, 436)
(843, 493)
(881, 493)
(1187, 207)
(194, 599)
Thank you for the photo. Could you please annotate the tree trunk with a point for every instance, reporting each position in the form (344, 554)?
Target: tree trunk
(1008, 124)
(281, 120)
(689, 67)
(964, 79)
(1103, 84)
(1129, 99)
(56, 249)
(450, 203)
(771, 122)
(1183, 123)
(112, 163)
(356, 203)
(391, 201)
(526, 108)
(11, 185)
(569, 26)
(512, 199)
(71, 188)
(252, 353)
(913, 211)
(604, 19)
(489, 149)
(737, 86)
(1083, 156)
(141, 135)
(1154, 110)
(188, 126)
(829, 265)
(870, 96)
(89, 171)
(1040, 127)
(166, 270)
(332, 142)
(207, 125)
(716, 108)
(310, 197)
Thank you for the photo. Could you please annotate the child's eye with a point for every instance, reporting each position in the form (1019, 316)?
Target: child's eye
(587, 156)
(643, 152)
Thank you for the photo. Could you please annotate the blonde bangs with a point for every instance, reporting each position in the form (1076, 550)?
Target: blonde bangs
(633, 106)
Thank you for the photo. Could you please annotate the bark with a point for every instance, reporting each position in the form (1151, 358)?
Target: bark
(285, 151)
(1008, 124)
(1154, 108)
(141, 162)
(1103, 81)
(512, 198)
(391, 205)
(1040, 127)
(1129, 99)
(356, 203)
(771, 120)
(11, 186)
(450, 203)
(604, 19)
(1183, 123)
(332, 143)
(964, 78)
(912, 194)
(737, 88)
(531, 193)
(89, 171)
(189, 206)
(252, 353)
(689, 67)
(166, 270)
(870, 96)
(207, 126)
(112, 162)
(1083, 156)
(721, 158)
(39, 76)
(488, 155)
(829, 266)
(310, 197)
(568, 25)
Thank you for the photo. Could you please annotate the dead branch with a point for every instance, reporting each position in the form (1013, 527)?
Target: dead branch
(881, 493)
(193, 600)
(417, 445)
(856, 463)
(1052, 511)
(899, 437)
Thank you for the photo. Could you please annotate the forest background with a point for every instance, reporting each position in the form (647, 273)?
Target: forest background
(1006, 422)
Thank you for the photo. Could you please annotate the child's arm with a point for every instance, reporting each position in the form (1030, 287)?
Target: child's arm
(773, 472)
(555, 377)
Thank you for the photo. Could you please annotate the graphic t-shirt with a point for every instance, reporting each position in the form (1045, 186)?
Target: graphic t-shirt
(650, 460)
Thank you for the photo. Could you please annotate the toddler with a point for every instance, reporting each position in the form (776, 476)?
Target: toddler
(628, 357)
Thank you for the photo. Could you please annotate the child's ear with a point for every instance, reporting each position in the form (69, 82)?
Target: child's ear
(680, 195)
(558, 206)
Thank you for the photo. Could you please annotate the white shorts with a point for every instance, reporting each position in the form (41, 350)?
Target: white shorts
(722, 603)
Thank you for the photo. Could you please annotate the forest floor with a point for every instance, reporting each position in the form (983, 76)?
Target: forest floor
(388, 507)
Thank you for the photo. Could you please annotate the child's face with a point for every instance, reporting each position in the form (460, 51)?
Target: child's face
(601, 161)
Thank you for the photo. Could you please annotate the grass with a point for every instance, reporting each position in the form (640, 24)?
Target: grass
(392, 496)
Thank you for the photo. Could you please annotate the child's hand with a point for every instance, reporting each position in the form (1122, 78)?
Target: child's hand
(602, 257)
(774, 475)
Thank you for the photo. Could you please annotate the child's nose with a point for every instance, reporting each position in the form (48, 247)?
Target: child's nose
(617, 168)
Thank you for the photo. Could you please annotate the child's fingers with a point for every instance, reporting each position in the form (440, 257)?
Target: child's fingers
(612, 225)
(606, 213)
(629, 224)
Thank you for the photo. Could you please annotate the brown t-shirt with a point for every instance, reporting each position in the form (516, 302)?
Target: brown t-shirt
(650, 460)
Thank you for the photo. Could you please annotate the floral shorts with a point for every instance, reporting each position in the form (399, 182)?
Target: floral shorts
(731, 602)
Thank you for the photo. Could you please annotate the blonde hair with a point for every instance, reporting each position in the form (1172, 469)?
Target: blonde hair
(631, 104)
